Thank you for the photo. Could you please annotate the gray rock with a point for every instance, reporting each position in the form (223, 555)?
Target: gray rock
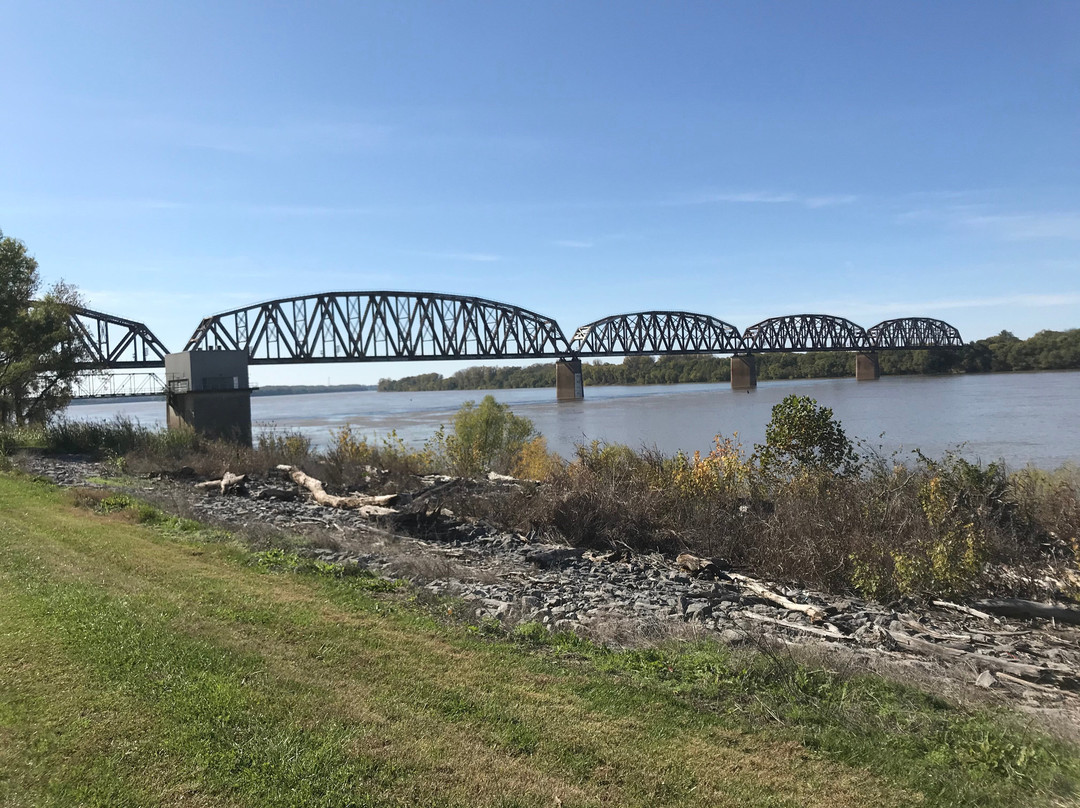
(699, 610)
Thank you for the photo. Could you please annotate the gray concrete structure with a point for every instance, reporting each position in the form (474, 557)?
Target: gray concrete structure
(568, 383)
(867, 368)
(743, 372)
(209, 392)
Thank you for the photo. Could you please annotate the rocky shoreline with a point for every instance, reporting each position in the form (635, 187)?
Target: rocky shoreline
(1032, 665)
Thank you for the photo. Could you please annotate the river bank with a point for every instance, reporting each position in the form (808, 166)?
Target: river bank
(639, 599)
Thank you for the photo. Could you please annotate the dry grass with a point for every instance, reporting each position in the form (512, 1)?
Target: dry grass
(930, 528)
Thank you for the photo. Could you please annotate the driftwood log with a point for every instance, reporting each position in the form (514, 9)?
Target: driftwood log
(815, 613)
(956, 607)
(366, 506)
(228, 484)
(831, 633)
(696, 566)
(1061, 675)
(1014, 607)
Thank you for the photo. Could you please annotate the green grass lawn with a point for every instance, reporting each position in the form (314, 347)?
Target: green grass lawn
(145, 661)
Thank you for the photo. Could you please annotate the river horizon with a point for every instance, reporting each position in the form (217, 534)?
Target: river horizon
(1021, 418)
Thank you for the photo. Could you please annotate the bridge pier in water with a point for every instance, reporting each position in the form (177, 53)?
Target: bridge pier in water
(568, 383)
(208, 391)
(743, 372)
(867, 368)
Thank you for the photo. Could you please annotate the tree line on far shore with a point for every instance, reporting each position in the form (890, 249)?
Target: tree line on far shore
(1047, 350)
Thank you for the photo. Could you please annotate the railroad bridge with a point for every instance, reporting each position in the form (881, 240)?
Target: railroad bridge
(207, 382)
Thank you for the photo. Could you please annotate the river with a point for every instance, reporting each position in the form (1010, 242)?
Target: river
(1022, 418)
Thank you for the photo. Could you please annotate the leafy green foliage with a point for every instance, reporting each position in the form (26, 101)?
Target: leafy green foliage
(38, 353)
(485, 436)
(802, 436)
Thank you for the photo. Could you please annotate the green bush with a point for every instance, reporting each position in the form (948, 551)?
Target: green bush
(486, 436)
(803, 437)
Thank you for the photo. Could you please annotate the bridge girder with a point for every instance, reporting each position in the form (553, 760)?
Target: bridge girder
(114, 342)
(380, 327)
(914, 333)
(656, 332)
(805, 332)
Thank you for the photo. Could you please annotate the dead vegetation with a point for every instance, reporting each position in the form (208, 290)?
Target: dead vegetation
(806, 507)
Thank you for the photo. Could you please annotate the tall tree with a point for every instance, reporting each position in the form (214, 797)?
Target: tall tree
(38, 353)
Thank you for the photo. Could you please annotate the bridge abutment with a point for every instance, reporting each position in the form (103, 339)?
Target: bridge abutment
(208, 391)
(867, 367)
(743, 372)
(568, 383)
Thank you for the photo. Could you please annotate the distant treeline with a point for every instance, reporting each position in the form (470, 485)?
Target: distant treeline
(1047, 350)
(299, 389)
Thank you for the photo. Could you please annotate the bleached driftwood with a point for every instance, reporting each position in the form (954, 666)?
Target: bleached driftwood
(1058, 674)
(695, 565)
(366, 506)
(815, 613)
(944, 604)
(834, 634)
(226, 485)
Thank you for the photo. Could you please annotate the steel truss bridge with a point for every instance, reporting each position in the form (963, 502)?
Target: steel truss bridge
(408, 326)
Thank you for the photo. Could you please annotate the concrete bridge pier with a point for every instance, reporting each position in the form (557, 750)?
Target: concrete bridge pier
(208, 391)
(867, 368)
(743, 372)
(568, 383)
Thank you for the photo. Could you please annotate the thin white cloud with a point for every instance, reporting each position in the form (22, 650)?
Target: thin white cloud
(759, 197)
(89, 207)
(478, 257)
(1024, 300)
(830, 201)
(914, 308)
(270, 140)
(1026, 226)
(867, 314)
(126, 303)
(306, 211)
(572, 243)
(86, 206)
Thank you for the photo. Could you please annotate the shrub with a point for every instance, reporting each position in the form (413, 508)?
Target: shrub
(803, 437)
(289, 447)
(535, 462)
(724, 473)
(486, 436)
(351, 457)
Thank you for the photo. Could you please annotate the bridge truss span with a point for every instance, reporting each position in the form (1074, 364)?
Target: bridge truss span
(914, 333)
(656, 332)
(806, 332)
(113, 342)
(380, 326)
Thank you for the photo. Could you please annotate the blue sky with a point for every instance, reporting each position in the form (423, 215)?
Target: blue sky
(744, 160)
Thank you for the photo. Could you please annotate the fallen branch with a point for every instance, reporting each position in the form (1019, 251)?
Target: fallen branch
(835, 634)
(1016, 680)
(1014, 607)
(944, 604)
(1058, 674)
(815, 613)
(226, 485)
(366, 506)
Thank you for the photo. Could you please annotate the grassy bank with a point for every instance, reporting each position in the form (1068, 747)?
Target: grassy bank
(148, 661)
